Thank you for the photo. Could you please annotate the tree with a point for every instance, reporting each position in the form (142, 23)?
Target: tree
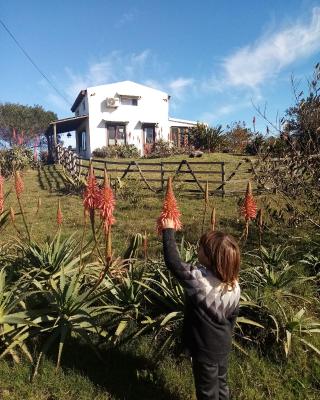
(302, 121)
(237, 137)
(205, 137)
(296, 176)
(23, 123)
(257, 144)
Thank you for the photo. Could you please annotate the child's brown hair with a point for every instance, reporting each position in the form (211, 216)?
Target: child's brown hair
(223, 253)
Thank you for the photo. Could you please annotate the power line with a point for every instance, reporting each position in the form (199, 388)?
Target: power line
(33, 62)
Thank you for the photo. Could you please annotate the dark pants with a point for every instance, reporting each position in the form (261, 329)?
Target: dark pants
(211, 380)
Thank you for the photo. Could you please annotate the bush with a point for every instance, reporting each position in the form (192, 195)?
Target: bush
(164, 149)
(130, 190)
(207, 138)
(117, 151)
(16, 158)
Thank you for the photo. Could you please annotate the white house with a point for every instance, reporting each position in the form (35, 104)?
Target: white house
(122, 113)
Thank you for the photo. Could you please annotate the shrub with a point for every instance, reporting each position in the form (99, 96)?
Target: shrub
(207, 138)
(15, 158)
(130, 190)
(164, 149)
(117, 151)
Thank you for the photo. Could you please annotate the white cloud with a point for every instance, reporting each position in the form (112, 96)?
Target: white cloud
(178, 87)
(116, 66)
(252, 65)
(126, 18)
(212, 117)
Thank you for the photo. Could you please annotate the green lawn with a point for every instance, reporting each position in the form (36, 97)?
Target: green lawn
(129, 372)
(212, 174)
(136, 211)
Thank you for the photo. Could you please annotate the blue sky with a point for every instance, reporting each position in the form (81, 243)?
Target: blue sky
(214, 57)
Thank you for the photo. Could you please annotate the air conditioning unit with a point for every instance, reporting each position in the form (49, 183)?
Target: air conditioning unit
(112, 102)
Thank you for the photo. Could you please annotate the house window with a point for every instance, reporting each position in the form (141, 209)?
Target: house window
(149, 134)
(129, 101)
(116, 134)
(83, 106)
(82, 138)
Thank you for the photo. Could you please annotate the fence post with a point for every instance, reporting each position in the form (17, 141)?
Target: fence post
(55, 144)
(162, 176)
(223, 179)
(80, 167)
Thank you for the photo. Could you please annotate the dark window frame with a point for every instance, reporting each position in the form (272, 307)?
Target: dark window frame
(116, 126)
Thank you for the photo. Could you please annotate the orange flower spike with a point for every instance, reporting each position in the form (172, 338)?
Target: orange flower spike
(59, 214)
(107, 204)
(169, 210)
(1, 193)
(91, 193)
(249, 207)
(18, 184)
(213, 218)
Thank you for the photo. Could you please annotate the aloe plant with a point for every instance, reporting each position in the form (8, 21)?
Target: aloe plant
(72, 308)
(47, 260)
(15, 319)
(274, 276)
(126, 292)
(298, 328)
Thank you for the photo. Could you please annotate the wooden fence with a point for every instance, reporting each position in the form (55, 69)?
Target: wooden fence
(192, 175)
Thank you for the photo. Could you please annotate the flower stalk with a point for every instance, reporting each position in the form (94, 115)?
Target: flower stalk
(170, 209)
(206, 204)
(59, 215)
(145, 245)
(106, 206)
(248, 209)
(19, 188)
(213, 219)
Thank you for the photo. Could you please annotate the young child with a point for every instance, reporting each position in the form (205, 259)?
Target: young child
(212, 303)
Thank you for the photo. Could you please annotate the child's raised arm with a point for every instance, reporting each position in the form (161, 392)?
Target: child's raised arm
(185, 273)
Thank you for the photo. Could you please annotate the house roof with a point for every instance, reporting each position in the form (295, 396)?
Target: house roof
(66, 124)
(78, 100)
(180, 122)
(128, 88)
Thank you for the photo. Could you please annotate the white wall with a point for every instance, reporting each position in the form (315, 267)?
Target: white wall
(153, 107)
(84, 127)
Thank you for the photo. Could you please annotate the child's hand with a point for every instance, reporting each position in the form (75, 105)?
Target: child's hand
(167, 223)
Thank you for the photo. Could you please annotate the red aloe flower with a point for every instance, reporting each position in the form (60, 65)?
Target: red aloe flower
(18, 184)
(213, 219)
(1, 193)
(59, 214)
(107, 204)
(169, 210)
(248, 208)
(91, 193)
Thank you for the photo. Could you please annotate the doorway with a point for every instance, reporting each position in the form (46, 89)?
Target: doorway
(149, 135)
(116, 135)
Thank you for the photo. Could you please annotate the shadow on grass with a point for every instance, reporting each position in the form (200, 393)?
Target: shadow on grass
(123, 374)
